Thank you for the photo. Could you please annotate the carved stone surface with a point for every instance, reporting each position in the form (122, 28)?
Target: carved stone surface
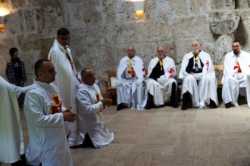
(221, 47)
(223, 23)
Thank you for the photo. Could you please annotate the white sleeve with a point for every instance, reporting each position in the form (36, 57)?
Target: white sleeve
(171, 69)
(208, 65)
(226, 71)
(34, 107)
(84, 102)
(13, 88)
(140, 69)
(184, 64)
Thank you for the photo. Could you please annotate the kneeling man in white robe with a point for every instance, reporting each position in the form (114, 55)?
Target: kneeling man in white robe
(90, 107)
(11, 133)
(199, 87)
(161, 84)
(130, 76)
(45, 120)
(236, 75)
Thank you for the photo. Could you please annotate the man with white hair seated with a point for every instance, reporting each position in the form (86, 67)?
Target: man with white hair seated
(161, 83)
(130, 76)
(199, 88)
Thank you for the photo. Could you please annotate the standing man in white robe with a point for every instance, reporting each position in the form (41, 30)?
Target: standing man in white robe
(48, 145)
(11, 132)
(199, 87)
(90, 106)
(66, 80)
(130, 75)
(236, 75)
(161, 84)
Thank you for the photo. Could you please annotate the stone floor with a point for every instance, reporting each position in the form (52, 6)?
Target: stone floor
(170, 137)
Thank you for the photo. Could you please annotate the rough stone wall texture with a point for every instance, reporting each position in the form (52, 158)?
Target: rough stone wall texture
(101, 29)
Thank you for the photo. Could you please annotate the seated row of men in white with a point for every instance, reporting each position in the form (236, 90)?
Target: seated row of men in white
(63, 111)
(158, 86)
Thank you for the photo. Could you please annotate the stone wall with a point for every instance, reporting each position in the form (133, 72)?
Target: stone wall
(101, 29)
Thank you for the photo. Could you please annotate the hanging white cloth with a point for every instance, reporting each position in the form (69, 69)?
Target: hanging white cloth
(11, 133)
(67, 82)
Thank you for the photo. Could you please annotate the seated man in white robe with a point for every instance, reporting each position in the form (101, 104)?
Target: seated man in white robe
(199, 87)
(235, 76)
(161, 84)
(11, 134)
(91, 104)
(130, 76)
(45, 118)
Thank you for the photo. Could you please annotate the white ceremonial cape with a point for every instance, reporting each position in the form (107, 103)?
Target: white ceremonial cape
(11, 133)
(67, 83)
(131, 91)
(206, 88)
(232, 80)
(90, 115)
(47, 137)
(162, 88)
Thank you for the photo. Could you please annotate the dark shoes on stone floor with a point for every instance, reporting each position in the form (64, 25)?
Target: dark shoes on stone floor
(87, 143)
(121, 106)
(187, 101)
(212, 104)
(186, 106)
(19, 163)
(229, 105)
(22, 162)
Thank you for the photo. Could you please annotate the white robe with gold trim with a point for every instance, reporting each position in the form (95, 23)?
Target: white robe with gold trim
(162, 88)
(206, 89)
(131, 91)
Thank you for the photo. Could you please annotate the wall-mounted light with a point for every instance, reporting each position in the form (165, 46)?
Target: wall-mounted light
(139, 9)
(4, 11)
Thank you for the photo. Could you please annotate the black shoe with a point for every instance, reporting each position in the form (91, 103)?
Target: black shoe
(19, 163)
(121, 106)
(229, 105)
(212, 104)
(187, 101)
(150, 102)
(87, 143)
(75, 146)
(184, 107)
(173, 98)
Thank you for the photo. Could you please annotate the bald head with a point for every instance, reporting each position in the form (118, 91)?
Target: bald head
(131, 52)
(161, 53)
(45, 71)
(196, 46)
